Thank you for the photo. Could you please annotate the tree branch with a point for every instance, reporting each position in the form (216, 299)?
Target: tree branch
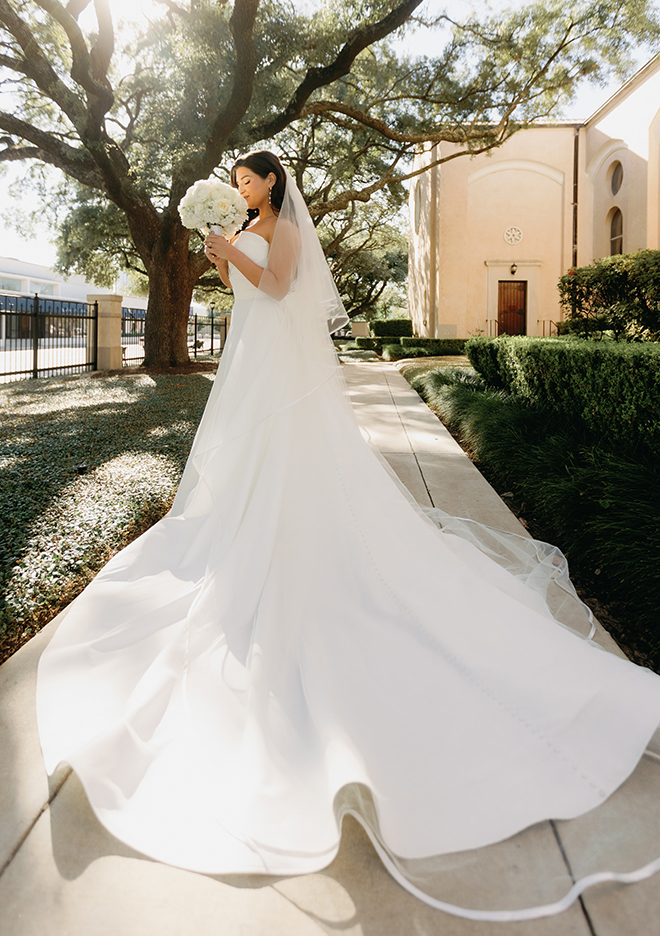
(341, 202)
(459, 135)
(75, 7)
(241, 25)
(84, 70)
(320, 77)
(38, 68)
(77, 163)
(14, 153)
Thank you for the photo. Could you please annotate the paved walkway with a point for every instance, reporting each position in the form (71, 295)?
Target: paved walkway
(62, 874)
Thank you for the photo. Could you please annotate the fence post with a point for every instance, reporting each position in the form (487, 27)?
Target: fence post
(195, 338)
(108, 330)
(35, 336)
(92, 334)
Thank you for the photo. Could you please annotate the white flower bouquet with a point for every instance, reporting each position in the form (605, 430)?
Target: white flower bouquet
(211, 205)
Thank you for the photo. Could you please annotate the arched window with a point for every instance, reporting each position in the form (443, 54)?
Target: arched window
(617, 177)
(616, 233)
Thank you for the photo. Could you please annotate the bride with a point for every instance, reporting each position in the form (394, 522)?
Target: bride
(297, 640)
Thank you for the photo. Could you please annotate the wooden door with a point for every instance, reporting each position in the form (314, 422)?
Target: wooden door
(512, 307)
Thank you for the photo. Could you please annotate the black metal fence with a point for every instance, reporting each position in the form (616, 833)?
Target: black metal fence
(207, 333)
(42, 337)
(132, 336)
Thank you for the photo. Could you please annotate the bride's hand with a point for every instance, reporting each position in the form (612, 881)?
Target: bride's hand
(215, 247)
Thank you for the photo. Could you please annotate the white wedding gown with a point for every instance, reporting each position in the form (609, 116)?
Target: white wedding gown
(296, 640)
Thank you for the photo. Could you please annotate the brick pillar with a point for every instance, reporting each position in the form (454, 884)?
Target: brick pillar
(109, 325)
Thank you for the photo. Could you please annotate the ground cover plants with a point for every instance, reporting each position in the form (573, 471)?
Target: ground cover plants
(86, 464)
(585, 491)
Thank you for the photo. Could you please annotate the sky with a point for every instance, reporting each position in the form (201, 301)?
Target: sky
(38, 249)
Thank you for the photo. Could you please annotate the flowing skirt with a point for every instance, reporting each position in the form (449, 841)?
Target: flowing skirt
(298, 640)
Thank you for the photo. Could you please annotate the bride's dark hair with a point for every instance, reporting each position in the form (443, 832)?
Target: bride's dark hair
(262, 162)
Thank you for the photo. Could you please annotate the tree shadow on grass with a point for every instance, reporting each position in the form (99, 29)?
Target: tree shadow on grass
(53, 433)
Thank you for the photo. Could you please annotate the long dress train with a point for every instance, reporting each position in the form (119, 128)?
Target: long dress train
(297, 640)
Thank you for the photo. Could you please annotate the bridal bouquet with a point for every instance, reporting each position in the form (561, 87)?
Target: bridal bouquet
(211, 205)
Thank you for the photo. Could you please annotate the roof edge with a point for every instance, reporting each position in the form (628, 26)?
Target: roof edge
(641, 75)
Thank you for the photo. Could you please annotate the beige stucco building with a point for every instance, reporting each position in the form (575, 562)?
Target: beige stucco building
(490, 235)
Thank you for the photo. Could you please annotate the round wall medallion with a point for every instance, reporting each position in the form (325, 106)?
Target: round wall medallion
(513, 235)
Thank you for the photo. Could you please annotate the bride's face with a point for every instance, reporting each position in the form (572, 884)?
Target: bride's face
(253, 188)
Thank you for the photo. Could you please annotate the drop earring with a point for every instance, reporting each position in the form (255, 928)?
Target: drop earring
(270, 194)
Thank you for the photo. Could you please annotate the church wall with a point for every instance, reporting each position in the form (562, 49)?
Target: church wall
(526, 184)
(459, 253)
(452, 320)
(653, 193)
(421, 250)
(631, 199)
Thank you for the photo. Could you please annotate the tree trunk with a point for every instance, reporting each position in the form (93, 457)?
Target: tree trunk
(170, 293)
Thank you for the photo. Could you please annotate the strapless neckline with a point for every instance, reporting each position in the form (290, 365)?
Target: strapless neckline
(254, 234)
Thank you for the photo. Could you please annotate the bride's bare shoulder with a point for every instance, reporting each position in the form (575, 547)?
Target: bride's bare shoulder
(287, 232)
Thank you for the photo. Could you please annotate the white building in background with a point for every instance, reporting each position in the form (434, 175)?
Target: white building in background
(25, 279)
(490, 235)
(21, 278)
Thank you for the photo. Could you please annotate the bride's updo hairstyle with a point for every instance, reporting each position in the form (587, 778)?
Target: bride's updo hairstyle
(262, 163)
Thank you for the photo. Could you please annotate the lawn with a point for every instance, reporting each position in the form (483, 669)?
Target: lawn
(86, 464)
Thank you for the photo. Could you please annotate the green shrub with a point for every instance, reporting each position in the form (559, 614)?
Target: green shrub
(396, 352)
(374, 344)
(436, 346)
(577, 489)
(389, 328)
(482, 355)
(596, 326)
(624, 290)
(610, 387)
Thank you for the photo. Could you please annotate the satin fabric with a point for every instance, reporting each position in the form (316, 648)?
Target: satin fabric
(297, 630)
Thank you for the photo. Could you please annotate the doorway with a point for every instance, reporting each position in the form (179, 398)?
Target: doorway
(512, 307)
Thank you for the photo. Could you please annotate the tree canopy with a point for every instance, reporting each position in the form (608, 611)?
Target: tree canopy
(133, 118)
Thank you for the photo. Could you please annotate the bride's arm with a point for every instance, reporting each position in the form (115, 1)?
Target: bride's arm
(275, 280)
(223, 271)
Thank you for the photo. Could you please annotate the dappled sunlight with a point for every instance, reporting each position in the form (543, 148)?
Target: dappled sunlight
(59, 395)
(87, 465)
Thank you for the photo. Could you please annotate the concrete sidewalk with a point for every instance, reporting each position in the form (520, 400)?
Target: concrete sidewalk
(62, 874)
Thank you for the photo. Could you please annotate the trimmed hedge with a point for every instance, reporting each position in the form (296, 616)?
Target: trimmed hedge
(612, 388)
(395, 352)
(375, 344)
(387, 328)
(392, 352)
(597, 500)
(482, 354)
(364, 344)
(436, 346)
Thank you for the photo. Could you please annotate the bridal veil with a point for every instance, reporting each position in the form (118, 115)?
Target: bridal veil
(297, 641)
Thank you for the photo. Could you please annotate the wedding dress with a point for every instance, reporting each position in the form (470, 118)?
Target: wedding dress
(298, 640)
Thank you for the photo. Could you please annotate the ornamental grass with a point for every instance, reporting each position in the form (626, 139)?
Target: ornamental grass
(597, 500)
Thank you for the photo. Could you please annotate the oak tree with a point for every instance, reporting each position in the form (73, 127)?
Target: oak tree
(133, 118)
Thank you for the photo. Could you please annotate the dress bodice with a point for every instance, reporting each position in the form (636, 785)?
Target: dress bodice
(256, 248)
